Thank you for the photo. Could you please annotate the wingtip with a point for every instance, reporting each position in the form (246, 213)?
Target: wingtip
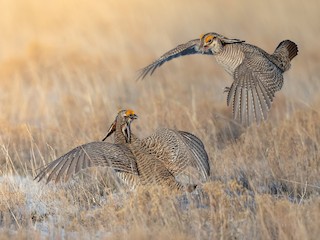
(140, 74)
(38, 177)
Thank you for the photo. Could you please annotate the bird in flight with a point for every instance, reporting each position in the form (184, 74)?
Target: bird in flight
(257, 75)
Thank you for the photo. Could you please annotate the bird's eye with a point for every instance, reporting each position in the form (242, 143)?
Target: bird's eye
(209, 39)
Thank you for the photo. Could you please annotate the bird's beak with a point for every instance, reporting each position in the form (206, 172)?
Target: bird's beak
(202, 48)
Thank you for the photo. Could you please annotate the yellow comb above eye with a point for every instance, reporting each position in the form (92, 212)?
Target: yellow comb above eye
(201, 36)
(129, 112)
(208, 38)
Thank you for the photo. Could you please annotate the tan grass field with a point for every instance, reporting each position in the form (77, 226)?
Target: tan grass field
(67, 67)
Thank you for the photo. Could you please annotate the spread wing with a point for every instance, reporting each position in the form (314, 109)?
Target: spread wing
(191, 47)
(103, 154)
(200, 157)
(256, 80)
(178, 150)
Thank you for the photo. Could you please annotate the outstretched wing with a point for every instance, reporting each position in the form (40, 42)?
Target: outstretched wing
(178, 150)
(103, 154)
(256, 80)
(200, 157)
(191, 47)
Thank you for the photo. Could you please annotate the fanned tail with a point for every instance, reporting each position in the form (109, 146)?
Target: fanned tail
(284, 53)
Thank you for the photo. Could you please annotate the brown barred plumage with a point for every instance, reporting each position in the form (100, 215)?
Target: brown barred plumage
(157, 159)
(257, 75)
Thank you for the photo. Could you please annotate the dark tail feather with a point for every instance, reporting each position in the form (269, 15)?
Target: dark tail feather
(287, 48)
(285, 52)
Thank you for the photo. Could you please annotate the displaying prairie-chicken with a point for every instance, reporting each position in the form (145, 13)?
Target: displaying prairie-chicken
(157, 159)
(257, 75)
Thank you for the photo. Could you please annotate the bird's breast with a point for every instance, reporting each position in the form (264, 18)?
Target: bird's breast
(230, 57)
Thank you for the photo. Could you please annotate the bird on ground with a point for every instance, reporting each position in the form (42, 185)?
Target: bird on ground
(257, 75)
(157, 159)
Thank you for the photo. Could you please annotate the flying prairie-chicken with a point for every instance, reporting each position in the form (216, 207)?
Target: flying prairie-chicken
(157, 159)
(257, 75)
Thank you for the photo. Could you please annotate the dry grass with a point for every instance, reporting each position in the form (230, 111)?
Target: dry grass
(67, 67)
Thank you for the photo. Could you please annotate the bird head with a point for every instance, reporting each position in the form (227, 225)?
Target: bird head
(214, 42)
(123, 120)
